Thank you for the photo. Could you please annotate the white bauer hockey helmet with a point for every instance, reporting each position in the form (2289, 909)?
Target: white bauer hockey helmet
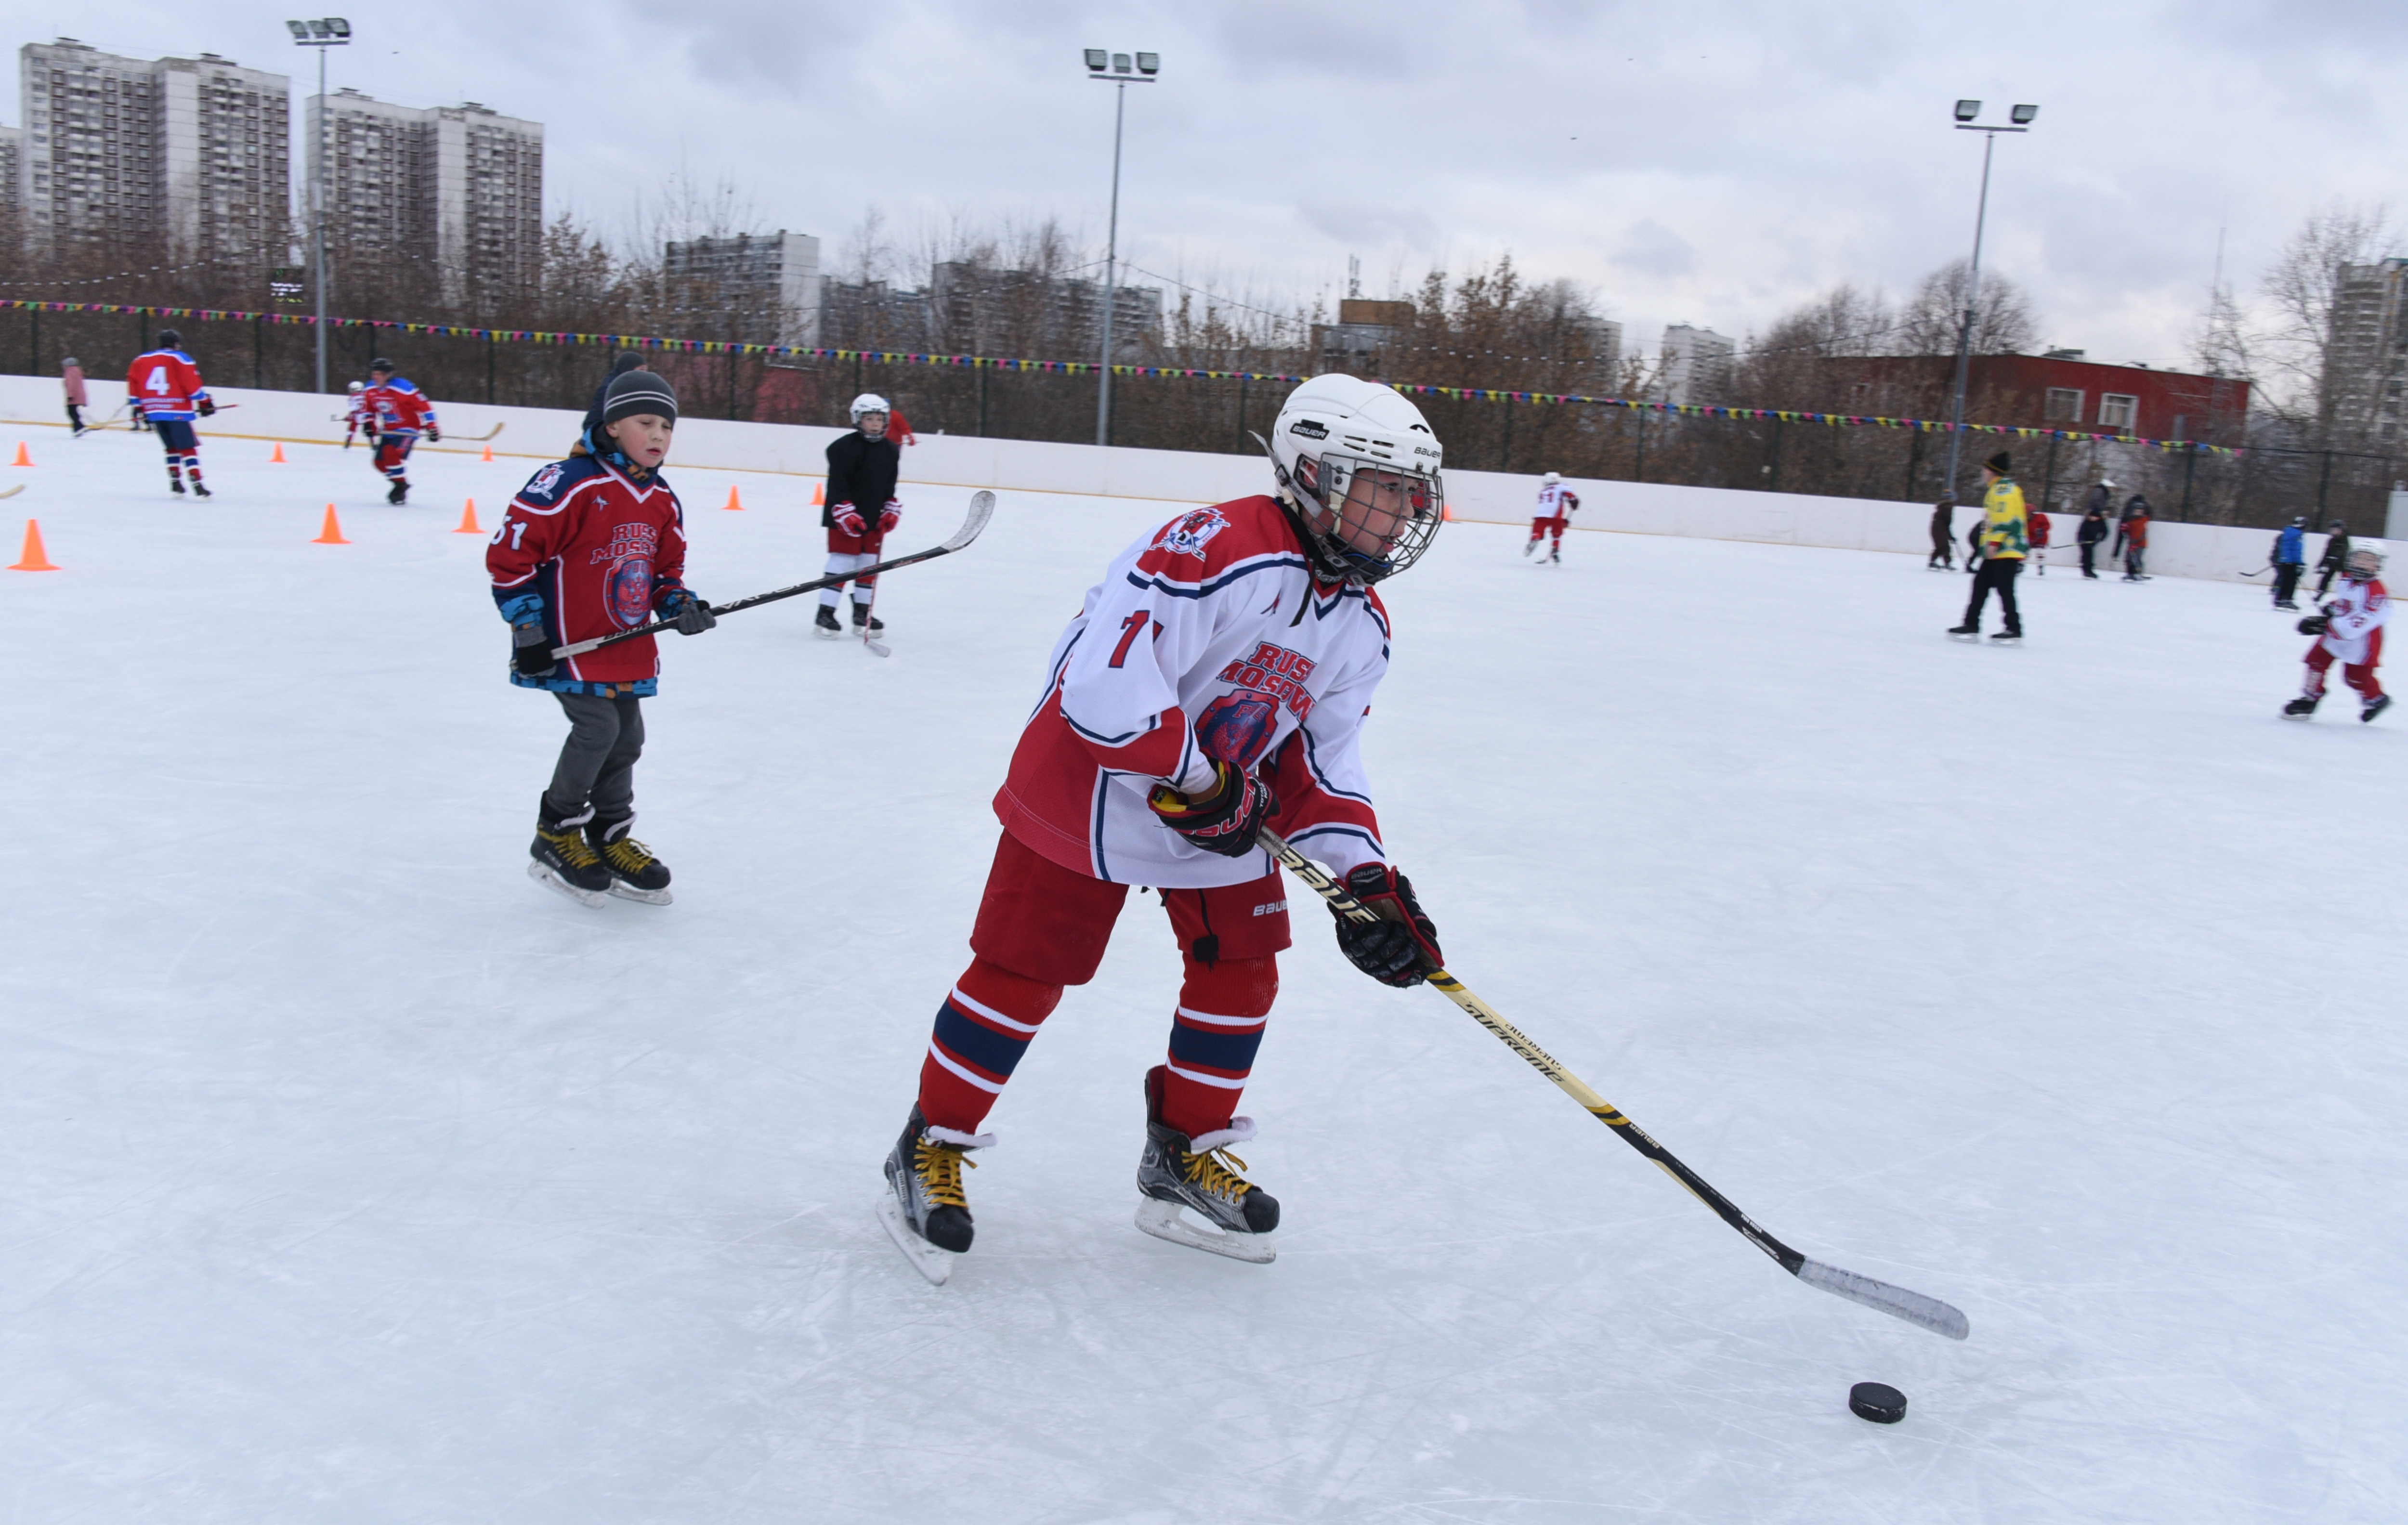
(2363, 564)
(869, 402)
(359, 386)
(1335, 427)
(1552, 479)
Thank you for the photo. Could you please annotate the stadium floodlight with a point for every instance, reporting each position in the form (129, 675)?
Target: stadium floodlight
(2023, 114)
(1968, 110)
(320, 33)
(1147, 67)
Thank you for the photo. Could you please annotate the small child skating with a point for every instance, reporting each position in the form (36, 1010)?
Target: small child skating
(398, 414)
(357, 419)
(163, 388)
(861, 508)
(71, 382)
(593, 545)
(1944, 536)
(1556, 505)
(2348, 630)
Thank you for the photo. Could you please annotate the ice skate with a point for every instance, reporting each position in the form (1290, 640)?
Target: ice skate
(2375, 706)
(1966, 632)
(861, 616)
(2301, 707)
(561, 860)
(1529, 545)
(826, 624)
(1556, 557)
(1199, 1174)
(2008, 637)
(2286, 603)
(923, 1209)
(199, 491)
(399, 494)
(176, 485)
(635, 873)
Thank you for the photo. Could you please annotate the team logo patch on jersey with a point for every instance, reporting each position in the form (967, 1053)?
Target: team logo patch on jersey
(1273, 671)
(1237, 728)
(631, 590)
(1190, 535)
(544, 481)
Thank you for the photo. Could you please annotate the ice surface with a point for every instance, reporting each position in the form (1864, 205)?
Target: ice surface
(351, 1176)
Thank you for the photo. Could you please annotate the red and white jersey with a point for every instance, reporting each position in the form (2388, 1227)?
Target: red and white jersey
(602, 551)
(2354, 617)
(361, 416)
(1208, 637)
(398, 407)
(1557, 502)
(164, 384)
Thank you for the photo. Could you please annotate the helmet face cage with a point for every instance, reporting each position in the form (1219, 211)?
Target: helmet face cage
(2362, 565)
(1346, 489)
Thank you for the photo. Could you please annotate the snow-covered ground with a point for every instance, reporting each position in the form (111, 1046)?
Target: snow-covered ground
(351, 1177)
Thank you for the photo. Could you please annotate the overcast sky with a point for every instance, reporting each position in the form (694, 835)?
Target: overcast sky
(1688, 162)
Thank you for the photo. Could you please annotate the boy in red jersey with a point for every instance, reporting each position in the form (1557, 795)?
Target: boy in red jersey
(1217, 681)
(164, 387)
(2349, 630)
(592, 546)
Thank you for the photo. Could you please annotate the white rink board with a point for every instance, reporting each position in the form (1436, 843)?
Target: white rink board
(2212, 551)
(353, 1178)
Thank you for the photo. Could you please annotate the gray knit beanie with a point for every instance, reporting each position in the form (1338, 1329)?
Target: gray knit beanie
(638, 392)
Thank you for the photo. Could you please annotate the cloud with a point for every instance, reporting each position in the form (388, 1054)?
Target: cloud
(1651, 248)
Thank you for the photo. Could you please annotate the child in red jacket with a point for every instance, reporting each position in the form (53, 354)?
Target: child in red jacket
(593, 545)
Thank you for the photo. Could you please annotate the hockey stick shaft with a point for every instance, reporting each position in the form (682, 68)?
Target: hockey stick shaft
(982, 509)
(1914, 1308)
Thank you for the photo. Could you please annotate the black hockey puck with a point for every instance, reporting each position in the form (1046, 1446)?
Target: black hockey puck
(1878, 1401)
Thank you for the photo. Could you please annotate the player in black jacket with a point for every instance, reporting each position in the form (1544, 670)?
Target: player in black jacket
(861, 508)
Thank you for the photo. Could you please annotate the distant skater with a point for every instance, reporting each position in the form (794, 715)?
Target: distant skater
(2133, 535)
(164, 387)
(71, 382)
(399, 413)
(2006, 540)
(2091, 533)
(2348, 630)
(862, 506)
(1944, 536)
(2040, 534)
(2336, 554)
(1556, 504)
(2289, 559)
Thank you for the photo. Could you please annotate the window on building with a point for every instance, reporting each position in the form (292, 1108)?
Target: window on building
(2064, 405)
(2118, 411)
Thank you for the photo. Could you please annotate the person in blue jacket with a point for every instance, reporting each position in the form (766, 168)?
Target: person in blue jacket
(2290, 559)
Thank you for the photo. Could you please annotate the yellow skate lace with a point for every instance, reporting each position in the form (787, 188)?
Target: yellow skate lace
(628, 856)
(940, 1169)
(1216, 1171)
(572, 847)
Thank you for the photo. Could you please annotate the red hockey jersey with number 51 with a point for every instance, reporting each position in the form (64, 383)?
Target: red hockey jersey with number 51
(1208, 637)
(599, 553)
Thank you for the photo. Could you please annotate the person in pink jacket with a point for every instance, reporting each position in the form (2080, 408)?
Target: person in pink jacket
(71, 378)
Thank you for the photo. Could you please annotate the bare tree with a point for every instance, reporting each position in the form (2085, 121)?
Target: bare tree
(2312, 383)
(2003, 322)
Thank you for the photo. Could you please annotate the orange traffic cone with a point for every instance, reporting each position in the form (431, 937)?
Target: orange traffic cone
(489, 454)
(34, 559)
(331, 533)
(1446, 512)
(734, 503)
(469, 520)
(819, 496)
(278, 459)
(22, 458)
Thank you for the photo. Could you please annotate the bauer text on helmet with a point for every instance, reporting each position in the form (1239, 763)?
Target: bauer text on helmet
(1361, 468)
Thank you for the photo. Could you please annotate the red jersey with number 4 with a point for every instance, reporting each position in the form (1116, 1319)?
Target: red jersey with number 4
(1208, 637)
(602, 551)
(165, 385)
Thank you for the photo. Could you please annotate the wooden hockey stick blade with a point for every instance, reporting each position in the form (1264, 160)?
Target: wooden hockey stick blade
(1914, 1308)
(973, 523)
(14, 491)
(479, 439)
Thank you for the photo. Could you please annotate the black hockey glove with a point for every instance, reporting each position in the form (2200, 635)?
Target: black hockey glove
(1399, 948)
(692, 615)
(531, 651)
(207, 407)
(1224, 819)
(2314, 624)
(434, 436)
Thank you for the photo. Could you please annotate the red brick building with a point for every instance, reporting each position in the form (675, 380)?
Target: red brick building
(2058, 391)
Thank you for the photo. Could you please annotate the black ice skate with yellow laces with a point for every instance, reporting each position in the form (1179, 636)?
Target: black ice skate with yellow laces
(561, 859)
(1201, 1175)
(635, 873)
(924, 1209)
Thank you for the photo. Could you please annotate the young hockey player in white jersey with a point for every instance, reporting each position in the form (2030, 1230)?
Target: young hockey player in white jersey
(2348, 630)
(1556, 504)
(1217, 681)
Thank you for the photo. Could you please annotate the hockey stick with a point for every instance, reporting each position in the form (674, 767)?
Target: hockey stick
(981, 509)
(13, 491)
(1914, 1308)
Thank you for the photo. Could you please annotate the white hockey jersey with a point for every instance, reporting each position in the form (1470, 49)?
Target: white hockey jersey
(1557, 502)
(1208, 637)
(2355, 616)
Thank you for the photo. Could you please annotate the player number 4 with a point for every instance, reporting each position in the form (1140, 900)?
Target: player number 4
(1131, 628)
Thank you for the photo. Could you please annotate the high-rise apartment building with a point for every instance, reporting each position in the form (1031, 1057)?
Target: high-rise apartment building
(12, 198)
(178, 158)
(2366, 354)
(1697, 365)
(767, 286)
(459, 187)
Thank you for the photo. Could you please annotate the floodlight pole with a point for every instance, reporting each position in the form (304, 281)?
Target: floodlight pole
(1121, 78)
(320, 35)
(1973, 296)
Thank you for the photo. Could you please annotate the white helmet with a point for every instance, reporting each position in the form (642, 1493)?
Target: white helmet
(1552, 478)
(869, 402)
(1335, 425)
(2363, 564)
(359, 386)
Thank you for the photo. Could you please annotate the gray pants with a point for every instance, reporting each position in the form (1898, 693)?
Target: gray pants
(598, 763)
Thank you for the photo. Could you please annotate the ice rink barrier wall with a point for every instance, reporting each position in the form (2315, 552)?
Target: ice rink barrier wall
(2221, 552)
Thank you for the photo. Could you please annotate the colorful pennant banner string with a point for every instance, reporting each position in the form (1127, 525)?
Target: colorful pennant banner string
(1088, 367)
